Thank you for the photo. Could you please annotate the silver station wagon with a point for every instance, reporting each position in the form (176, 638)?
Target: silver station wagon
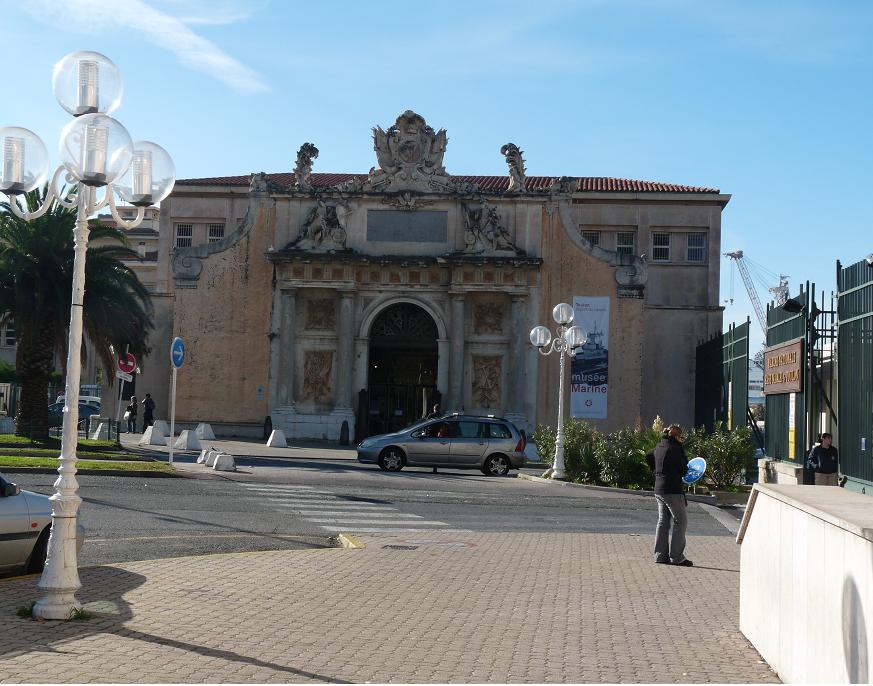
(454, 441)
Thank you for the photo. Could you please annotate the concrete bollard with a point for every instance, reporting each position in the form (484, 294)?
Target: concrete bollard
(153, 436)
(101, 433)
(162, 426)
(204, 432)
(277, 439)
(202, 457)
(224, 463)
(187, 441)
(210, 458)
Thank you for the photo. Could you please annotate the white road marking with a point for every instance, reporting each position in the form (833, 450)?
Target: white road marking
(349, 512)
(343, 520)
(392, 530)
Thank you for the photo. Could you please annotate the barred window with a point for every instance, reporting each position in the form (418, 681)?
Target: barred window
(661, 247)
(592, 237)
(696, 247)
(625, 243)
(215, 232)
(184, 235)
(9, 335)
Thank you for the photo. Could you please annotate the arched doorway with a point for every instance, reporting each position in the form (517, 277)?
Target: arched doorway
(402, 374)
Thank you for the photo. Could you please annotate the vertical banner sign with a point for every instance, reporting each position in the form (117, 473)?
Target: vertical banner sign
(730, 414)
(589, 369)
(792, 425)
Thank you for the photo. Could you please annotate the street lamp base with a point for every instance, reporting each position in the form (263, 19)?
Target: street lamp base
(558, 475)
(56, 605)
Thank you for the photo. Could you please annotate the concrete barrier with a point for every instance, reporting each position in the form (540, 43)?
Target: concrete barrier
(204, 432)
(806, 582)
(201, 459)
(210, 458)
(187, 441)
(277, 439)
(162, 426)
(153, 436)
(224, 463)
(101, 433)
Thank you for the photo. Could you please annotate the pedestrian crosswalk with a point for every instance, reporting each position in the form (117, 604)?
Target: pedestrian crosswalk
(330, 512)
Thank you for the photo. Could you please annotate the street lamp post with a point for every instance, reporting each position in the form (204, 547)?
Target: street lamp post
(565, 343)
(96, 152)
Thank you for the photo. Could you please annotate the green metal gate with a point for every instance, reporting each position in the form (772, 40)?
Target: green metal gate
(855, 373)
(721, 384)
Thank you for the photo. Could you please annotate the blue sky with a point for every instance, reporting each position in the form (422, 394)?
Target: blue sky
(768, 101)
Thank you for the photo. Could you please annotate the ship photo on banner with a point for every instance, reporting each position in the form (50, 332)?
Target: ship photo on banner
(589, 370)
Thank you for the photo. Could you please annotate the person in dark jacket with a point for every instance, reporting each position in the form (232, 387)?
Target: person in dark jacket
(148, 411)
(436, 412)
(130, 414)
(824, 461)
(669, 464)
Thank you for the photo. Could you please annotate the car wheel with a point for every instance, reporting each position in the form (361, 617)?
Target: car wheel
(39, 552)
(391, 459)
(496, 465)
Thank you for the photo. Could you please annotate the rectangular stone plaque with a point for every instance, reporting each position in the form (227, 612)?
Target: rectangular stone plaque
(400, 226)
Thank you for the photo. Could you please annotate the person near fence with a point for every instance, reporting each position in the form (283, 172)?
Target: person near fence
(667, 460)
(436, 412)
(130, 415)
(823, 459)
(148, 411)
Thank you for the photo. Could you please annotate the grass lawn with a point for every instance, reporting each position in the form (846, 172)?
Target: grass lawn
(54, 443)
(52, 463)
(80, 454)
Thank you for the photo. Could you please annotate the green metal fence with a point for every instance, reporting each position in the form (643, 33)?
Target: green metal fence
(722, 379)
(855, 373)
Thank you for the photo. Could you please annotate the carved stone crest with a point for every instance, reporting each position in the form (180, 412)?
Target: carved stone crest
(488, 317)
(406, 201)
(303, 168)
(484, 231)
(515, 161)
(321, 314)
(317, 366)
(322, 230)
(486, 380)
(410, 157)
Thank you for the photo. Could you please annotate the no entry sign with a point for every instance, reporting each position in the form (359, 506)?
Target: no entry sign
(127, 363)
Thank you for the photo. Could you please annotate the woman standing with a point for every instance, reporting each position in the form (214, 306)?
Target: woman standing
(669, 464)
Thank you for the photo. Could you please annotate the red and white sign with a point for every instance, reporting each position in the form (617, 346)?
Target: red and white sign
(127, 363)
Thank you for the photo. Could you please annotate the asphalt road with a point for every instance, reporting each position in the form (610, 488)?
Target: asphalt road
(275, 504)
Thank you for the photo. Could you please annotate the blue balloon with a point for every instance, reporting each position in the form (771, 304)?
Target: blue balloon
(696, 468)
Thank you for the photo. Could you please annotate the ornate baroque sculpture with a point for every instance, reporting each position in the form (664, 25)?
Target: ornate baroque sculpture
(484, 232)
(317, 366)
(410, 157)
(322, 230)
(303, 168)
(515, 161)
(321, 314)
(488, 317)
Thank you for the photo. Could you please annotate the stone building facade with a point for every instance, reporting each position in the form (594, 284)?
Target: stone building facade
(323, 301)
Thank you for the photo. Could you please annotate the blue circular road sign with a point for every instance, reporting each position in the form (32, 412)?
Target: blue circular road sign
(177, 352)
(696, 468)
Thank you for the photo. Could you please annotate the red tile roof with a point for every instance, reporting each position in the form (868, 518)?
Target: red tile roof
(603, 184)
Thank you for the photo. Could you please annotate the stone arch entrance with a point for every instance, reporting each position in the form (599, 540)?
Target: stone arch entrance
(402, 373)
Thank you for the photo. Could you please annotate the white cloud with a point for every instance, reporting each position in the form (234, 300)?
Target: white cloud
(159, 28)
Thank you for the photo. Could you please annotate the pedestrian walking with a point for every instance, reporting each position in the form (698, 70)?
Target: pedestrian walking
(669, 464)
(824, 460)
(130, 414)
(148, 411)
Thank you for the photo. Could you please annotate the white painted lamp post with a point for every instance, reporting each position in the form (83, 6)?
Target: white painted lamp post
(565, 343)
(96, 152)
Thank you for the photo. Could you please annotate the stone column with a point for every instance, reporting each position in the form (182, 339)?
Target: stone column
(442, 380)
(345, 344)
(456, 354)
(518, 336)
(287, 348)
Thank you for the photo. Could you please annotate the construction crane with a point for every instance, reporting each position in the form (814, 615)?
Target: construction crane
(737, 257)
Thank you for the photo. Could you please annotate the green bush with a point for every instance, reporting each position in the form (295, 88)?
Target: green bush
(727, 454)
(622, 459)
(580, 439)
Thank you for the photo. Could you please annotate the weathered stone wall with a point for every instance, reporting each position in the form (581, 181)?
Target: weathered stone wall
(224, 321)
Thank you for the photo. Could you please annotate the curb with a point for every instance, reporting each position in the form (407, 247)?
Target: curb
(349, 541)
(92, 472)
(708, 499)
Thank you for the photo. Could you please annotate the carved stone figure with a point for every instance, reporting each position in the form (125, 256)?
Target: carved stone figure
(303, 168)
(321, 314)
(410, 157)
(322, 230)
(406, 201)
(317, 366)
(484, 232)
(258, 184)
(515, 161)
(564, 184)
(488, 317)
(486, 380)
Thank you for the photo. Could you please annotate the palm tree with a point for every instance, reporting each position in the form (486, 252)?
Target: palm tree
(36, 273)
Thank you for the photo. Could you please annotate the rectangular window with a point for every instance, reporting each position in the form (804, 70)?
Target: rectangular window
(9, 335)
(661, 247)
(696, 247)
(592, 237)
(215, 232)
(184, 235)
(624, 243)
